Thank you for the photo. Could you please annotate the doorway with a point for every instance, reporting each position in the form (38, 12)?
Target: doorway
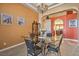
(58, 27)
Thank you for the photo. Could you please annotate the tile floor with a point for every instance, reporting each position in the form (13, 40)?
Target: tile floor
(68, 48)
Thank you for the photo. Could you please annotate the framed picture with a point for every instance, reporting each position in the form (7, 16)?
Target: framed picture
(73, 23)
(78, 23)
(5, 19)
(0, 18)
(21, 21)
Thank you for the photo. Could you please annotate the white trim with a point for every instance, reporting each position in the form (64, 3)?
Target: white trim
(34, 8)
(11, 47)
(55, 5)
(24, 42)
(75, 40)
(29, 5)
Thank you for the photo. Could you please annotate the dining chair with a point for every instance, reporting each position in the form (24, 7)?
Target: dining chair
(32, 49)
(55, 48)
(49, 34)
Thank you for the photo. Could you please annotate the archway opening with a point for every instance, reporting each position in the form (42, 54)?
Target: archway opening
(58, 27)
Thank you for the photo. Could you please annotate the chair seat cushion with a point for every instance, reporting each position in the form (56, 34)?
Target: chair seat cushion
(52, 48)
(51, 45)
(37, 47)
(37, 52)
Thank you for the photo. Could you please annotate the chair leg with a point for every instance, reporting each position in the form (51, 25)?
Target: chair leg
(47, 52)
(27, 54)
(55, 53)
(42, 53)
(59, 53)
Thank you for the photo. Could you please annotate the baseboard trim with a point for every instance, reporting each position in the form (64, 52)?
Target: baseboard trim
(75, 40)
(24, 42)
(11, 47)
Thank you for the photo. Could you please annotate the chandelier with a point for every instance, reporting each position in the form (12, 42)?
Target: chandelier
(42, 7)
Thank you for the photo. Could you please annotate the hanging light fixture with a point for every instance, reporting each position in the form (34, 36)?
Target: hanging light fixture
(42, 7)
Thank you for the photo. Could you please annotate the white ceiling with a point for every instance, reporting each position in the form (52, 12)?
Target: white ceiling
(34, 5)
(49, 4)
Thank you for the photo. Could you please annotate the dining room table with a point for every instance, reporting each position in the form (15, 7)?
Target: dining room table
(44, 41)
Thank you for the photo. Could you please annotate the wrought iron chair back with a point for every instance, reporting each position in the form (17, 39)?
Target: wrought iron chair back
(56, 48)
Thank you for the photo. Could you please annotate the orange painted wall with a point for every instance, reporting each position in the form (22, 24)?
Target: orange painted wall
(67, 32)
(12, 34)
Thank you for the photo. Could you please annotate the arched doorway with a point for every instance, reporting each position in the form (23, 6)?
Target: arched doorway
(58, 27)
(58, 24)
